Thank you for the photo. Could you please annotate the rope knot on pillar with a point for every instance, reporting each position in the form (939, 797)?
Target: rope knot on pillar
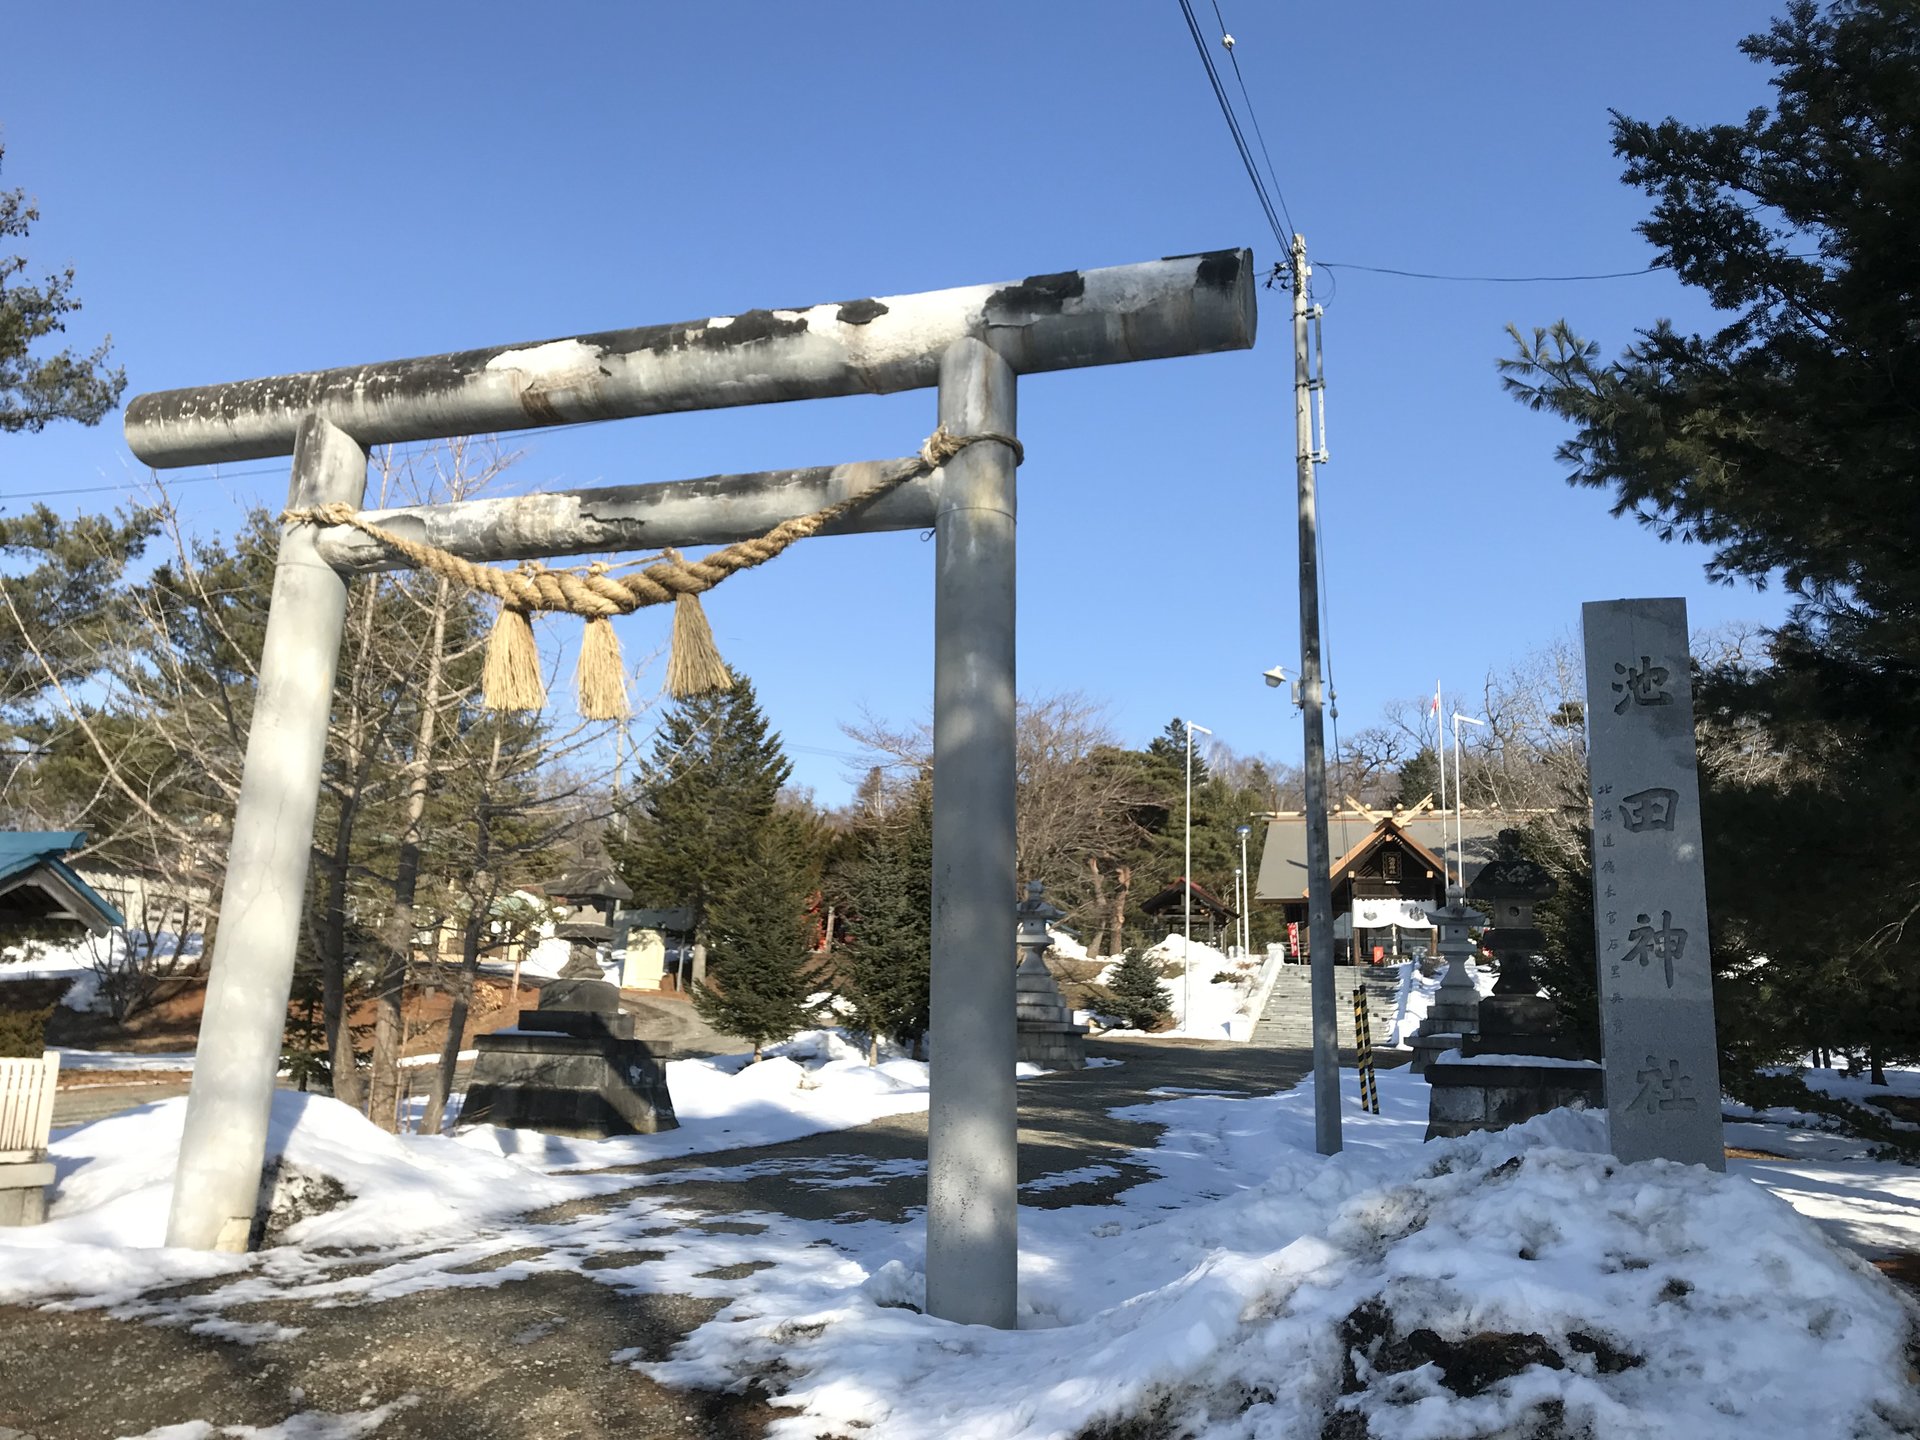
(512, 678)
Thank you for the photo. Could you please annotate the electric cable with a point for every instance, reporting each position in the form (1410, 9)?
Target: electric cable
(1233, 126)
(1226, 39)
(1490, 279)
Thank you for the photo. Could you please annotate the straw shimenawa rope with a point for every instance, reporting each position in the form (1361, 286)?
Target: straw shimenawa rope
(512, 677)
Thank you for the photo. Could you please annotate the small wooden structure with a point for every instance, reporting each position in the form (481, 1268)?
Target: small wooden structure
(39, 892)
(1171, 902)
(38, 889)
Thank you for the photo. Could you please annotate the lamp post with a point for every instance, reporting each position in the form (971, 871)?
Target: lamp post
(1186, 893)
(1246, 894)
(1459, 834)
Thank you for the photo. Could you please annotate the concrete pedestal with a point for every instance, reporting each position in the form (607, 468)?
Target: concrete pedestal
(23, 1192)
(570, 1072)
(1493, 1092)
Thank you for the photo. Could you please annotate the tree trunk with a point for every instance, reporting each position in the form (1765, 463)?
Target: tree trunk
(389, 1026)
(348, 1085)
(1876, 1065)
(470, 936)
(1098, 947)
(1123, 875)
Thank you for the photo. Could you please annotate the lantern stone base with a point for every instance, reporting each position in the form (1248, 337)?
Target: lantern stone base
(1047, 1034)
(570, 1072)
(1491, 1092)
(23, 1192)
(1054, 1047)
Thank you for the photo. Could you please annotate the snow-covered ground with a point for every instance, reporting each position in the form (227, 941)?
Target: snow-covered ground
(1252, 1289)
(1494, 1286)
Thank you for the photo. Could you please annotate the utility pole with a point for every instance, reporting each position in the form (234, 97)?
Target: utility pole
(1245, 898)
(1326, 1044)
(1186, 911)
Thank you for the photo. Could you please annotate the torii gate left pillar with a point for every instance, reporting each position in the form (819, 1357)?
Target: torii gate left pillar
(971, 342)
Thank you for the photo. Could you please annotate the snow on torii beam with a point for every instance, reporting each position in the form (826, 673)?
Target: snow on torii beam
(1185, 305)
(972, 343)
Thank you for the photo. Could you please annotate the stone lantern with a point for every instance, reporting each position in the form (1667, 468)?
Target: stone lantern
(1515, 1019)
(1455, 1012)
(574, 1066)
(1513, 1068)
(588, 899)
(1047, 1034)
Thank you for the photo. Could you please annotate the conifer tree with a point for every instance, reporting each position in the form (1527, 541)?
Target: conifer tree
(885, 968)
(760, 971)
(1782, 440)
(705, 799)
(1139, 999)
(38, 389)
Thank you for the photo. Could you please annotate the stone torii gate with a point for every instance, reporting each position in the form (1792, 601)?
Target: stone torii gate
(971, 343)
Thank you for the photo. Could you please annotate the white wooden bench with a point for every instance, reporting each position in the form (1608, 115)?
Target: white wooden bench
(26, 1120)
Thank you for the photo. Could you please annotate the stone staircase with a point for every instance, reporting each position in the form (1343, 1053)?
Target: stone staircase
(1287, 1023)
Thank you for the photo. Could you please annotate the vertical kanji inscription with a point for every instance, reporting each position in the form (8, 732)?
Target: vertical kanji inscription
(1649, 886)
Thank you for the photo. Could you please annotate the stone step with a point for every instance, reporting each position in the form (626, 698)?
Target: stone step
(1287, 1022)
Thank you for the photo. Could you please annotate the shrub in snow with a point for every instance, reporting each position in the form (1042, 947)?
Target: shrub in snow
(1139, 1000)
(25, 1008)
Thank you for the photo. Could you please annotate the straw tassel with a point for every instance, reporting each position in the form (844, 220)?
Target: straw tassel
(602, 673)
(694, 666)
(511, 679)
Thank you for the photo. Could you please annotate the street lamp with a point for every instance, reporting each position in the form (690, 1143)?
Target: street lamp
(1459, 833)
(1245, 897)
(1186, 894)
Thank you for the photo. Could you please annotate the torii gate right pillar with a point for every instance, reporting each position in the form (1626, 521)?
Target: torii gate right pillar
(973, 1112)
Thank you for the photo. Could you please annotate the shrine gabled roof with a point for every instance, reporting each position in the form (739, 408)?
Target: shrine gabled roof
(1283, 858)
(1387, 829)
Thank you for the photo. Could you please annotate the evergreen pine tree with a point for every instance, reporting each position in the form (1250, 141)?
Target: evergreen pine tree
(760, 974)
(1139, 999)
(1782, 440)
(885, 968)
(705, 800)
(37, 389)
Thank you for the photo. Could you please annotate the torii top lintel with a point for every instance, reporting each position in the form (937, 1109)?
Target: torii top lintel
(1183, 305)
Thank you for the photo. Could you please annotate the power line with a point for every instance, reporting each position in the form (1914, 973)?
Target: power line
(1489, 279)
(1226, 40)
(403, 452)
(1233, 126)
(128, 484)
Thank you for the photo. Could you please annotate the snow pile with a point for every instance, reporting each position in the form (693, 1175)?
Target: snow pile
(114, 1185)
(818, 1080)
(1217, 1004)
(1504, 1285)
(1415, 997)
(90, 959)
(1066, 946)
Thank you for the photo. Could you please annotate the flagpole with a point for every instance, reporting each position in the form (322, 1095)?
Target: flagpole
(1439, 739)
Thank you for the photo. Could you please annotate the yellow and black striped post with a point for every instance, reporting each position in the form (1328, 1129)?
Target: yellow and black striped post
(1363, 1044)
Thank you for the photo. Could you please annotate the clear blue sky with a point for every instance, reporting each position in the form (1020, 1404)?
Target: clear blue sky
(252, 189)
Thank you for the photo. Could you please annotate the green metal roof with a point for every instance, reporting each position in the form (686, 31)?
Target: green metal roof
(23, 852)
